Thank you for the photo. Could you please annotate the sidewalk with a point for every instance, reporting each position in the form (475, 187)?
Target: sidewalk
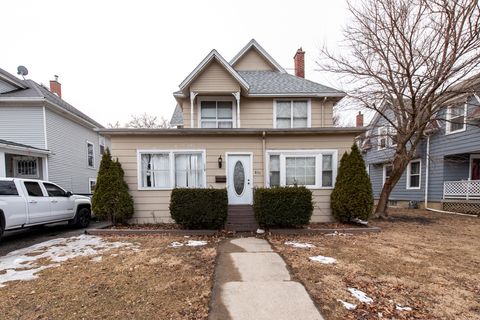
(252, 282)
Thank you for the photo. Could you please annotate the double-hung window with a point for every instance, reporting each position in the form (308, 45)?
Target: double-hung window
(216, 114)
(314, 169)
(171, 169)
(387, 172)
(292, 114)
(90, 155)
(387, 137)
(413, 174)
(456, 117)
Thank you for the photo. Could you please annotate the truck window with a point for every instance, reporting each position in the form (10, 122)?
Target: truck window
(33, 189)
(54, 191)
(8, 188)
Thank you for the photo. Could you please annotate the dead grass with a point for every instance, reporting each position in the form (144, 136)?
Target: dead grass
(428, 261)
(155, 283)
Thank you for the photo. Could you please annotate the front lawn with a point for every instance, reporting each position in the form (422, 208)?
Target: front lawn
(150, 279)
(429, 262)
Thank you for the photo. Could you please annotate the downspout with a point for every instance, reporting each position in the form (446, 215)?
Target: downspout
(427, 174)
(264, 136)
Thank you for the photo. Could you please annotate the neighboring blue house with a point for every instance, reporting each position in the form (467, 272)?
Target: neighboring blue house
(44, 137)
(445, 174)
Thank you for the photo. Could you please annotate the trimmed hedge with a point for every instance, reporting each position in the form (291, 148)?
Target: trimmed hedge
(199, 208)
(283, 206)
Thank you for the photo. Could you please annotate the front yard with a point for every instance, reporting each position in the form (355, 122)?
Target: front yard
(147, 279)
(429, 262)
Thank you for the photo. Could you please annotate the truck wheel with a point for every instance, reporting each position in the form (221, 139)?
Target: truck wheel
(82, 218)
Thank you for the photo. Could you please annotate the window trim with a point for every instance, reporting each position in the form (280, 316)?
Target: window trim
(384, 172)
(389, 130)
(171, 159)
(216, 99)
(90, 186)
(448, 123)
(318, 153)
(309, 112)
(408, 186)
(93, 154)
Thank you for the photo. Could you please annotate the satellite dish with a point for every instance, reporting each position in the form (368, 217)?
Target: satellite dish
(21, 70)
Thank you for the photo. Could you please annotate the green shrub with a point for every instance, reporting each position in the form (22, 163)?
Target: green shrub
(111, 199)
(283, 206)
(199, 208)
(352, 196)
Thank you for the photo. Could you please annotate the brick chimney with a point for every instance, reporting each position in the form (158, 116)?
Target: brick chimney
(56, 87)
(299, 61)
(359, 119)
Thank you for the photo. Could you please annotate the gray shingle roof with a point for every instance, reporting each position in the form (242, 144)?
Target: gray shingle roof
(177, 117)
(35, 90)
(272, 82)
(15, 144)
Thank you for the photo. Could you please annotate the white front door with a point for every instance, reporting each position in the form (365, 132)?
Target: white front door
(239, 177)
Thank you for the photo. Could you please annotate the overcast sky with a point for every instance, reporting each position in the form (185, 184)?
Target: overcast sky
(117, 58)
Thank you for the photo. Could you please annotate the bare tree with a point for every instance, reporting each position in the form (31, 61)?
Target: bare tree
(147, 121)
(115, 125)
(408, 60)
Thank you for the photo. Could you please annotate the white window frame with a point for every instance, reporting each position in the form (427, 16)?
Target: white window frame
(381, 136)
(216, 99)
(318, 154)
(90, 180)
(21, 158)
(448, 124)
(309, 112)
(171, 158)
(93, 154)
(384, 174)
(409, 187)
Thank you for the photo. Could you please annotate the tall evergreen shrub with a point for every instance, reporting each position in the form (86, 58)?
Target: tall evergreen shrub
(352, 196)
(111, 199)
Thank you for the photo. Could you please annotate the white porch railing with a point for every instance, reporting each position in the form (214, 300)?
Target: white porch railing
(463, 189)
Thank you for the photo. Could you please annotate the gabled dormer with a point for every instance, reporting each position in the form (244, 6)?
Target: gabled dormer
(252, 91)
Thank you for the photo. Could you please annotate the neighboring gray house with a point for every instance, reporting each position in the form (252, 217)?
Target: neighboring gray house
(44, 137)
(445, 174)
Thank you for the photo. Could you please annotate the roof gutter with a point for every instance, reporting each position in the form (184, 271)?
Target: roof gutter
(25, 149)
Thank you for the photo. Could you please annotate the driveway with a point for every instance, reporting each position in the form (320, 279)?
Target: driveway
(18, 239)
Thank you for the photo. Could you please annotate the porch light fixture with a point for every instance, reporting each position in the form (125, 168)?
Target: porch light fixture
(220, 161)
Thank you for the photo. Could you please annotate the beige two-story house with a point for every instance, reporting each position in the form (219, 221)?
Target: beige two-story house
(240, 125)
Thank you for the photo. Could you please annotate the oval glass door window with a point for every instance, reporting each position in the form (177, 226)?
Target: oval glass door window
(239, 177)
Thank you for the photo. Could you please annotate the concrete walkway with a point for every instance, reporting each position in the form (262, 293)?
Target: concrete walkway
(252, 282)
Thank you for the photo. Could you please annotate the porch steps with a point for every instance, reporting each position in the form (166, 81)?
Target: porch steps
(241, 218)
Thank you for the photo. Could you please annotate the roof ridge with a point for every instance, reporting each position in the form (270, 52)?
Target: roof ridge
(261, 50)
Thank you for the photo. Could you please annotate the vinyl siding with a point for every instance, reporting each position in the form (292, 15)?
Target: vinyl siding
(23, 124)
(68, 162)
(258, 112)
(215, 78)
(6, 87)
(152, 205)
(252, 61)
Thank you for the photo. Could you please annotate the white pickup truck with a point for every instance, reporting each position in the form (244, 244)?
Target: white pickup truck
(26, 203)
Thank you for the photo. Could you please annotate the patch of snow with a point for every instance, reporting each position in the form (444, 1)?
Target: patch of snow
(260, 231)
(360, 221)
(402, 308)
(336, 233)
(360, 295)
(299, 244)
(196, 243)
(190, 243)
(347, 305)
(324, 260)
(23, 264)
(96, 259)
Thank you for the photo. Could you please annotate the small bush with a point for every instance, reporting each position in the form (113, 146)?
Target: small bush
(352, 196)
(283, 207)
(199, 208)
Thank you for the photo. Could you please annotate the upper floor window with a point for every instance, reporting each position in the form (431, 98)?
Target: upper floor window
(90, 155)
(292, 114)
(303, 168)
(387, 137)
(456, 119)
(413, 174)
(101, 143)
(168, 169)
(216, 114)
